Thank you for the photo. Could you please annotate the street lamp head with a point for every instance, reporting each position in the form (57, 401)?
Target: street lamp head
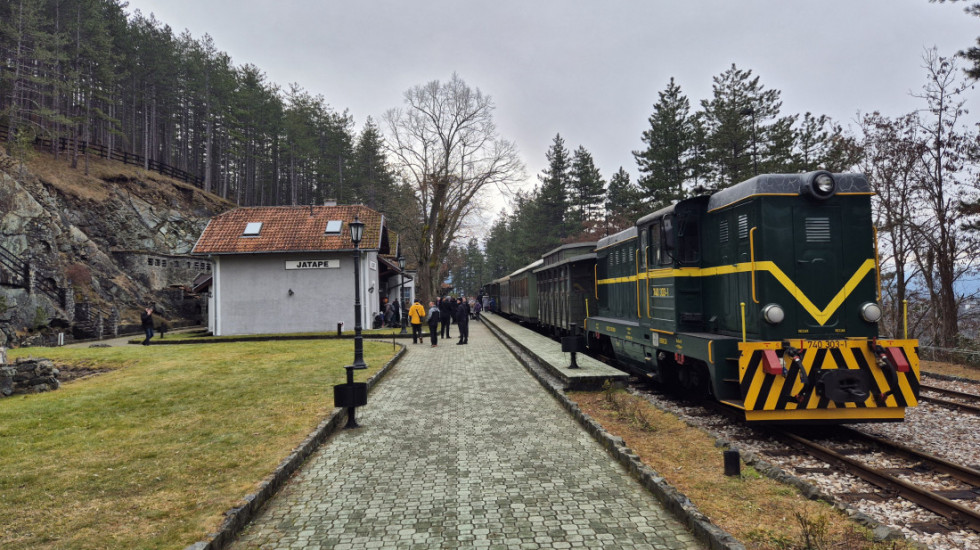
(356, 231)
(401, 262)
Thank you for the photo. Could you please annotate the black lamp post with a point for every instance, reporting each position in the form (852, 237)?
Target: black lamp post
(401, 265)
(356, 232)
(353, 395)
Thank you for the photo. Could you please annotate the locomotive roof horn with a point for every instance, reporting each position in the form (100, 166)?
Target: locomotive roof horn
(819, 185)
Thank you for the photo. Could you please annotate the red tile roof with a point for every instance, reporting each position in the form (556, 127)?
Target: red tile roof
(288, 229)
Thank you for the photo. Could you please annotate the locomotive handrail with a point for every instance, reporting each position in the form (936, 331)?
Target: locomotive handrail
(752, 259)
(595, 279)
(646, 252)
(877, 265)
(638, 315)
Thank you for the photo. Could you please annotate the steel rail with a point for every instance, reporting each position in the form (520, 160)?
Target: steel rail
(951, 404)
(950, 393)
(927, 499)
(962, 473)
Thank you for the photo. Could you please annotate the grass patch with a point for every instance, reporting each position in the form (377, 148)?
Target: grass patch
(151, 454)
(760, 512)
(951, 369)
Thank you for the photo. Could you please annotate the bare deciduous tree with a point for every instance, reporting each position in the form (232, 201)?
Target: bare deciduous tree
(445, 145)
(948, 180)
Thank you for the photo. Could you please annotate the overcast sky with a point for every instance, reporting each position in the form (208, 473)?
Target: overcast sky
(588, 70)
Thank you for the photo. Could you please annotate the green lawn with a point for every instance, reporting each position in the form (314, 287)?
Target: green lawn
(153, 453)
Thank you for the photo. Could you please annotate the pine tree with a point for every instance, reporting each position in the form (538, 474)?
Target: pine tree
(371, 179)
(745, 133)
(586, 187)
(624, 202)
(664, 163)
(552, 199)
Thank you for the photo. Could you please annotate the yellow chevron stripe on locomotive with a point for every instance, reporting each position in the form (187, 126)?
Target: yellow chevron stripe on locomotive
(856, 379)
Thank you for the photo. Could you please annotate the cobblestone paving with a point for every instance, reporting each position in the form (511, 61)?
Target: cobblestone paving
(460, 447)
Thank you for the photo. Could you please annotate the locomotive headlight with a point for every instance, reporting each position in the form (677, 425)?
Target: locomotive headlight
(824, 184)
(871, 312)
(773, 314)
(820, 185)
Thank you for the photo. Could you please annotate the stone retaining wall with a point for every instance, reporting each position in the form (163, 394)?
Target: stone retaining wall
(28, 376)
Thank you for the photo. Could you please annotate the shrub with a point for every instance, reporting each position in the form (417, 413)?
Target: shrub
(79, 275)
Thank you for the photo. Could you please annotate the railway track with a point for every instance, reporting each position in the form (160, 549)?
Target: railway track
(890, 480)
(971, 406)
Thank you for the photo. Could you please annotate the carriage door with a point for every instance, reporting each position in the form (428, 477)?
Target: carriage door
(818, 252)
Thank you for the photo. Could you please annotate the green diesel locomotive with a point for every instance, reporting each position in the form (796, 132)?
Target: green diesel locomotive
(764, 295)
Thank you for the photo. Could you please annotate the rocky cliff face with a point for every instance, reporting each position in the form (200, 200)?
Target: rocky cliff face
(83, 235)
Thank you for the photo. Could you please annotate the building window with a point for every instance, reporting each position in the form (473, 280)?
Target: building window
(252, 229)
(334, 227)
(149, 261)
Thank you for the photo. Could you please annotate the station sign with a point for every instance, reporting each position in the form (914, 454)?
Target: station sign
(312, 264)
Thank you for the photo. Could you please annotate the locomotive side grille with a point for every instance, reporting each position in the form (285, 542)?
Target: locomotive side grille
(743, 226)
(723, 231)
(817, 230)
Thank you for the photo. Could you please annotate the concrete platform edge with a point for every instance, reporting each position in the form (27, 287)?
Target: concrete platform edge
(570, 384)
(237, 518)
(715, 537)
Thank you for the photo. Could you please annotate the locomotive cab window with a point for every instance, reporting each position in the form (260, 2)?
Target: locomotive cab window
(644, 249)
(667, 241)
(688, 240)
(653, 245)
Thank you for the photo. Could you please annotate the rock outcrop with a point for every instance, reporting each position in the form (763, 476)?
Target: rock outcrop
(84, 239)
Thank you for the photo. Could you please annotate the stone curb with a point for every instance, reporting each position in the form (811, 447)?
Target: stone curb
(676, 502)
(183, 341)
(237, 518)
(948, 377)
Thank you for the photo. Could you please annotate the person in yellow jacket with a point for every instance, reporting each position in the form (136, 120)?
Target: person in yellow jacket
(415, 315)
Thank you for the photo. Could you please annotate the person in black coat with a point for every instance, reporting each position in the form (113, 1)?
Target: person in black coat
(146, 320)
(463, 321)
(448, 307)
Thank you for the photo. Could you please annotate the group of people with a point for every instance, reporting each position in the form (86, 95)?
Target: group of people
(440, 316)
(391, 315)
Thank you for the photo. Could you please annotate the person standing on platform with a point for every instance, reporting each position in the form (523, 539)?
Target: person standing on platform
(477, 308)
(463, 322)
(446, 307)
(415, 316)
(146, 320)
(396, 314)
(433, 321)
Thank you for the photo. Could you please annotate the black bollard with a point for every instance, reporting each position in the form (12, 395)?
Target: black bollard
(733, 464)
(340, 329)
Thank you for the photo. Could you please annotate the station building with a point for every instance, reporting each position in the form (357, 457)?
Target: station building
(290, 269)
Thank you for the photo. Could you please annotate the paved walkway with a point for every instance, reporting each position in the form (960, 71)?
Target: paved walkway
(460, 447)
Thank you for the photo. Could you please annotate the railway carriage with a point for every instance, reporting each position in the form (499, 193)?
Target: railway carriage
(763, 295)
(566, 279)
(521, 297)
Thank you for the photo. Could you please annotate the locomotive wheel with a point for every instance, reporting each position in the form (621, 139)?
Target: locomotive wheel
(690, 380)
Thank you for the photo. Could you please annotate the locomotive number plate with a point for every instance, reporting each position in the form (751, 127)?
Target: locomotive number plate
(825, 344)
